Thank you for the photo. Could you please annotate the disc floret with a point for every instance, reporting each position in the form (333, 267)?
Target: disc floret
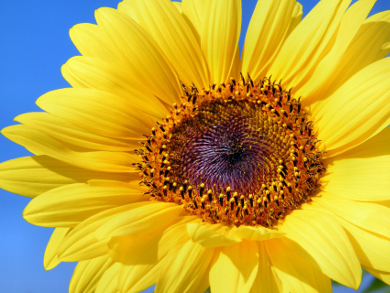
(242, 153)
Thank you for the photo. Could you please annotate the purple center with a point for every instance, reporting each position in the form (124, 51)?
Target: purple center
(225, 148)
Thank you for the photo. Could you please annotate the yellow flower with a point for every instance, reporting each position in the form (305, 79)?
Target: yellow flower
(273, 180)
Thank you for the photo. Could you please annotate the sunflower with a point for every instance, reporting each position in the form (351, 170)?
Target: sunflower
(174, 161)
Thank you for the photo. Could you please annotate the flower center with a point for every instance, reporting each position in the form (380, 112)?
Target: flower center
(240, 153)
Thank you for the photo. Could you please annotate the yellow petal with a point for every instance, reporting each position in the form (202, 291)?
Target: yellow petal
(146, 66)
(266, 33)
(294, 272)
(266, 280)
(362, 173)
(87, 274)
(369, 216)
(219, 35)
(89, 73)
(305, 46)
(89, 40)
(81, 243)
(189, 7)
(235, 269)
(176, 231)
(137, 278)
(195, 11)
(50, 260)
(384, 276)
(235, 71)
(320, 235)
(135, 249)
(257, 233)
(372, 250)
(150, 248)
(186, 268)
(295, 18)
(109, 281)
(71, 134)
(178, 6)
(39, 143)
(362, 101)
(69, 205)
(100, 112)
(168, 27)
(127, 7)
(142, 220)
(32, 176)
(212, 235)
(203, 284)
(139, 58)
(370, 44)
(329, 65)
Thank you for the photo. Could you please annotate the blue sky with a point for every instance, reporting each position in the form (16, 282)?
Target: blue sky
(34, 44)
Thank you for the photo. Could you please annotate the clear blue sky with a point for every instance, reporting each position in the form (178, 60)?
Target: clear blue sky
(34, 45)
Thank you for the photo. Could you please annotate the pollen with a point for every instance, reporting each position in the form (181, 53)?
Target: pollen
(243, 153)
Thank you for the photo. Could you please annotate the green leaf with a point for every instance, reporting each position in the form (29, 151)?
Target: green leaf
(208, 290)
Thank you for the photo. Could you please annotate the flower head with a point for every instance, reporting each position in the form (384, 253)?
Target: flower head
(174, 161)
